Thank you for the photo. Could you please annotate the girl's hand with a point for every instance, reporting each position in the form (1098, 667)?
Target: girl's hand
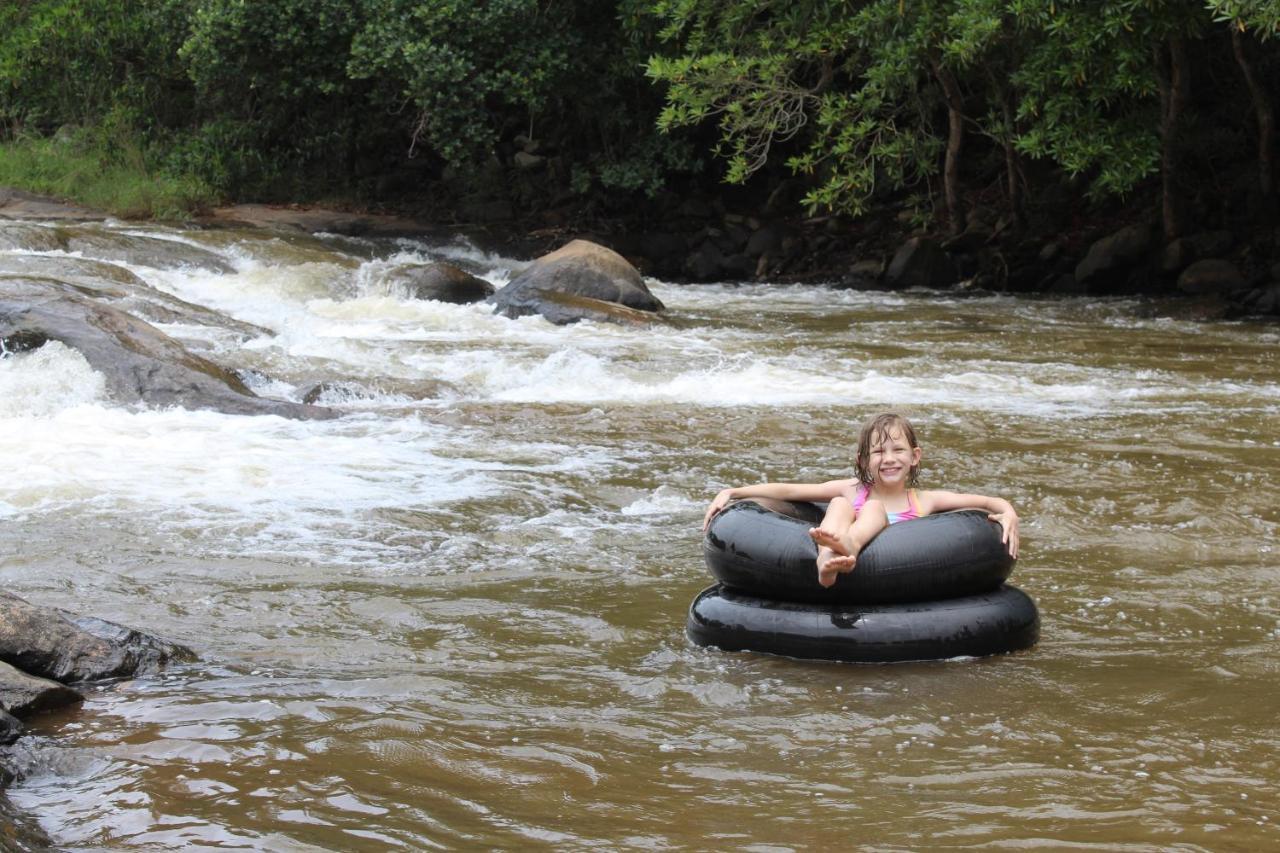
(1009, 525)
(722, 498)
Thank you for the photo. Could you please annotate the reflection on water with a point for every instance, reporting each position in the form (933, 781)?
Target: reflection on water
(454, 617)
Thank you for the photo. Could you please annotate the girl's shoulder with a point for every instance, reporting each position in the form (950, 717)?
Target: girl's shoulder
(854, 490)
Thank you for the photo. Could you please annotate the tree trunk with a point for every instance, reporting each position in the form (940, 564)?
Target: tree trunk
(1266, 118)
(955, 141)
(1175, 86)
(1012, 172)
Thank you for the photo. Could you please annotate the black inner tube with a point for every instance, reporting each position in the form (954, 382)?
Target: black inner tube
(993, 622)
(762, 548)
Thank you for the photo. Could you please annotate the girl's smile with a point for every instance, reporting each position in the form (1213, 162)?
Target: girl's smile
(892, 459)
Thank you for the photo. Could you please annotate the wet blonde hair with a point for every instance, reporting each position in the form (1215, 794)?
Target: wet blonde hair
(875, 432)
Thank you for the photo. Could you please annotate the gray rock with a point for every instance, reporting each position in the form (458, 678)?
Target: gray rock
(1110, 259)
(765, 241)
(154, 252)
(22, 694)
(1211, 276)
(1184, 251)
(867, 269)
(10, 730)
(705, 263)
(920, 262)
(16, 204)
(565, 308)
(974, 237)
(439, 282)
(26, 236)
(145, 653)
(1265, 300)
(139, 363)
(124, 290)
(580, 269)
(42, 641)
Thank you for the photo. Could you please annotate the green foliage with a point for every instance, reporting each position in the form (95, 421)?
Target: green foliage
(275, 100)
(850, 81)
(464, 67)
(104, 167)
(303, 97)
(72, 61)
(1261, 17)
(850, 93)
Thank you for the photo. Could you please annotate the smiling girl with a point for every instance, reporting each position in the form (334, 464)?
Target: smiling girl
(882, 493)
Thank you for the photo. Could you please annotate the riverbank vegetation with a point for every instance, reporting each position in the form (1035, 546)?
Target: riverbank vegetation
(1045, 117)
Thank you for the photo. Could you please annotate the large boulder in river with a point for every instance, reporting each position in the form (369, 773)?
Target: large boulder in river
(439, 282)
(552, 285)
(139, 363)
(52, 644)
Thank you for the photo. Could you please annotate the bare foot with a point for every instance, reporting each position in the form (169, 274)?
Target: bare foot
(832, 565)
(827, 539)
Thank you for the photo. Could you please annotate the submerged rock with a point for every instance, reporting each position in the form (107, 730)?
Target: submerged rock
(140, 364)
(439, 282)
(555, 284)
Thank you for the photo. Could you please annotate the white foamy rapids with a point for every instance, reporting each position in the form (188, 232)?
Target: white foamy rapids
(748, 345)
(663, 501)
(45, 381)
(701, 378)
(264, 484)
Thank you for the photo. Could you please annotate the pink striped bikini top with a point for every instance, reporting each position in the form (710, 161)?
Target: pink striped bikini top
(913, 510)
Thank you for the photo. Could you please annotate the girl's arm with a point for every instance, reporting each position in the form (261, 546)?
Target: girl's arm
(778, 491)
(999, 510)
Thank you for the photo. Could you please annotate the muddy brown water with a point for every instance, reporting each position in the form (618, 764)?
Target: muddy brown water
(458, 622)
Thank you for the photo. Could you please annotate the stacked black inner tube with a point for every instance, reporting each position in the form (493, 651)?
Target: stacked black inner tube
(924, 589)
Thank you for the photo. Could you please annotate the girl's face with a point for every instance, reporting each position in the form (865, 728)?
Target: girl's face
(891, 459)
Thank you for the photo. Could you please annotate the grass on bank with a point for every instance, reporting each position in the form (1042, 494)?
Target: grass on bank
(109, 175)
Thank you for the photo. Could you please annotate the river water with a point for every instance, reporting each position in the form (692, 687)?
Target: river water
(454, 617)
